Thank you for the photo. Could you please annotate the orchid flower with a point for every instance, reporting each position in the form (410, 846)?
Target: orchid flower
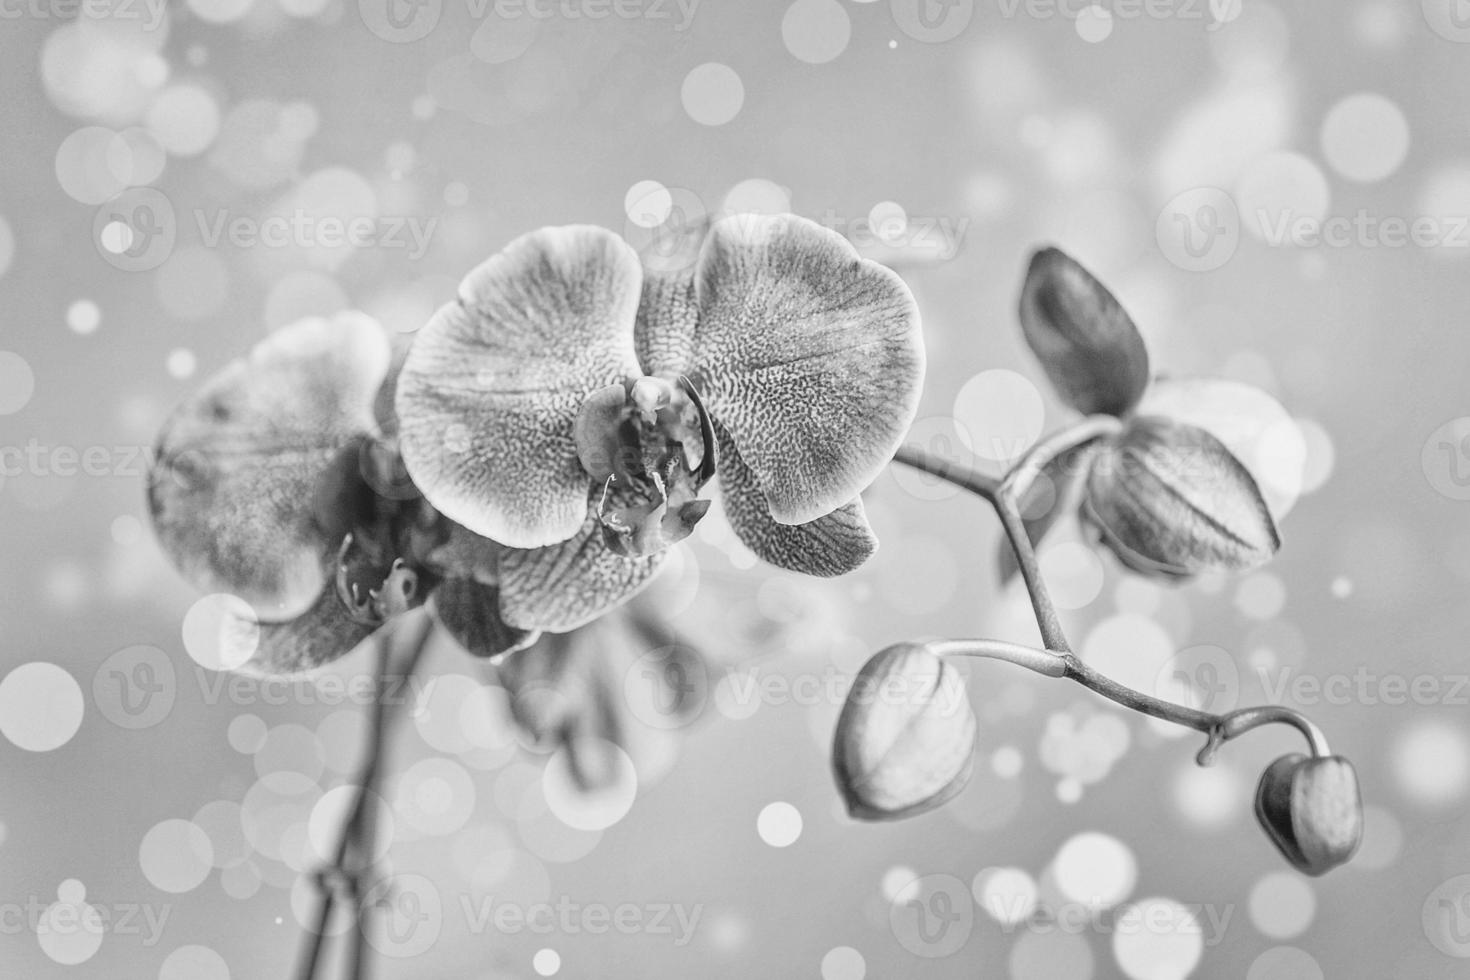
(572, 405)
(279, 483)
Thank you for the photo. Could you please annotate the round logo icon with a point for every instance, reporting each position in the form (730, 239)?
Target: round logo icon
(1446, 917)
(413, 915)
(932, 916)
(667, 687)
(1450, 19)
(1199, 230)
(1446, 459)
(937, 435)
(1203, 676)
(135, 231)
(932, 21)
(401, 21)
(665, 226)
(135, 687)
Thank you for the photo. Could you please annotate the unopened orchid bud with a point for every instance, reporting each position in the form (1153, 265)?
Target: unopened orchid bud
(905, 740)
(1311, 810)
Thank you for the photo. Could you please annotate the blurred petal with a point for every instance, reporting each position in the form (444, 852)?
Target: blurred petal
(831, 545)
(470, 612)
(810, 356)
(1053, 495)
(563, 586)
(493, 383)
(236, 478)
(1083, 337)
(1169, 498)
(323, 633)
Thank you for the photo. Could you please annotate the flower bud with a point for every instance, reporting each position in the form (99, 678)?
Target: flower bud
(1171, 501)
(905, 741)
(1311, 810)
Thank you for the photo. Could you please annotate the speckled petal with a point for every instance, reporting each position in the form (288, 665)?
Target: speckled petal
(490, 390)
(810, 356)
(237, 466)
(566, 585)
(318, 636)
(668, 310)
(470, 612)
(831, 545)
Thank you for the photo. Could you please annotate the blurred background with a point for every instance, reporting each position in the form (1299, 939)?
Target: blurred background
(1280, 195)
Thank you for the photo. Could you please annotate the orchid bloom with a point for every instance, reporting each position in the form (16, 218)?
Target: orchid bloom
(278, 482)
(571, 405)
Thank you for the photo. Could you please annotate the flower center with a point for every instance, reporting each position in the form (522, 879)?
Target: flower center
(387, 529)
(649, 444)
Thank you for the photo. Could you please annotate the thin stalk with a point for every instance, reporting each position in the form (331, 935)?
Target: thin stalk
(352, 856)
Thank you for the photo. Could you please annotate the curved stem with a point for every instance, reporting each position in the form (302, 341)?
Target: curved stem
(980, 484)
(1047, 662)
(1024, 473)
(1201, 721)
(1237, 723)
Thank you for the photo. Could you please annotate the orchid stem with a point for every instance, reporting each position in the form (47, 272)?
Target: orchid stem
(353, 857)
(1057, 659)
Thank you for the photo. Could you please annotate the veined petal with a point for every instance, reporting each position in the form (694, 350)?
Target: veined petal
(566, 585)
(492, 385)
(237, 468)
(669, 308)
(470, 612)
(833, 544)
(323, 633)
(810, 356)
